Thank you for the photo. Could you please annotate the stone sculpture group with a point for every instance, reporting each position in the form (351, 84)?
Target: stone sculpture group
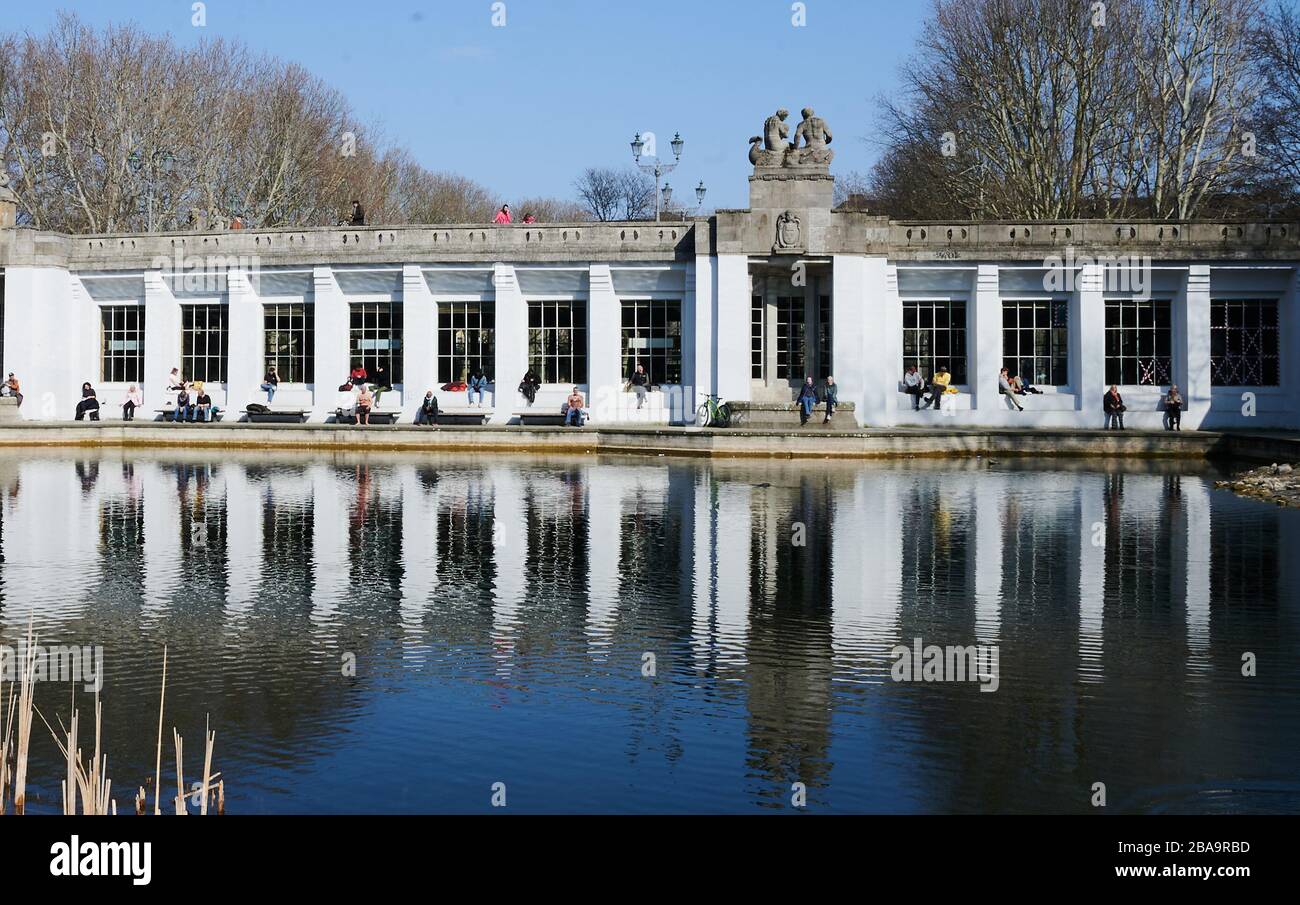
(773, 148)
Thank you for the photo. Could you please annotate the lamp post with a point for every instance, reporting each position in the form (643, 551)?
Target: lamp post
(700, 192)
(658, 168)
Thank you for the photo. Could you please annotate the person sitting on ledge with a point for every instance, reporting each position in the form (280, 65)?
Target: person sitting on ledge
(1006, 389)
(529, 386)
(427, 413)
(184, 407)
(503, 216)
(572, 410)
(204, 410)
(358, 215)
(134, 399)
(938, 386)
(12, 388)
(174, 381)
(478, 382)
(1174, 409)
(639, 380)
(365, 402)
(270, 383)
(379, 383)
(358, 375)
(89, 404)
(806, 400)
(831, 393)
(1113, 405)
(914, 386)
(1023, 388)
(529, 219)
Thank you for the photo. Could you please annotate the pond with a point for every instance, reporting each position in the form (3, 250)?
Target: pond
(407, 634)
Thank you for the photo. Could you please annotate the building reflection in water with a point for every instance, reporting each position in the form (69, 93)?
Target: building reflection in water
(769, 596)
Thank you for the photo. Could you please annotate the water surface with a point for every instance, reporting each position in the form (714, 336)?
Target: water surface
(502, 614)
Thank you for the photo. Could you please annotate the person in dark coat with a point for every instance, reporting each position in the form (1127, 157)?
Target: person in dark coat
(428, 410)
(807, 401)
(831, 394)
(529, 386)
(1113, 405)
(89, 404)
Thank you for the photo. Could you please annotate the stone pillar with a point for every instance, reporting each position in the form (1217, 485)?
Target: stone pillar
(604, 338)
(419, 340)
(706, 293)
(1088, 343)
(333, 361)
(511, 340)
(731, 328)
(985, 341)
(866, 331)
(162, 340)
(8, 207)
(1191, 370)
(246, 363)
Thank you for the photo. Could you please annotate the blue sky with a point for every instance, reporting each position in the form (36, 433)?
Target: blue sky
(524, 108)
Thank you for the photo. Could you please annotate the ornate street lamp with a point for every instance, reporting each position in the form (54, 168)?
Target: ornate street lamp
(658, 168)
(700, 192)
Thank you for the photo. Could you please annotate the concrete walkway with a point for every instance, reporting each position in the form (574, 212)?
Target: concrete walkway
(669, 441)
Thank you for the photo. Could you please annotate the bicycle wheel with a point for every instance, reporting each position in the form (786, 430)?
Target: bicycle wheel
(724, 415)
(702, 416)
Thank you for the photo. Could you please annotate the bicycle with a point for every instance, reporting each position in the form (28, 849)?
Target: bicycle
(713, 412)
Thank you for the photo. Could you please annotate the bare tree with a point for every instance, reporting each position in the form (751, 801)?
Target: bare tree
(1065, 108)
(638, 194)
(600, 192)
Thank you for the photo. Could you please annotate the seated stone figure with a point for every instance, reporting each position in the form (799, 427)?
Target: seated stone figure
(815, 136)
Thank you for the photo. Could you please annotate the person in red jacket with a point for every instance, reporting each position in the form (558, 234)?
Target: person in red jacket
(503, 215)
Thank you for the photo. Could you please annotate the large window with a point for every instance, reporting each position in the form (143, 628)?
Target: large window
(466, 340)
(1139, 342)
(1036, 341)
(825, 339)
(375, 337)
(934, 336)
(1244, 343)
(557, 341)
(291, 342)
(791, 338)
(122, 343)
(205, 334)
(652, 337)
(757, 319)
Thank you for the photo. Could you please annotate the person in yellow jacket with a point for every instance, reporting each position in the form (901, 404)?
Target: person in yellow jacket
(938, 386)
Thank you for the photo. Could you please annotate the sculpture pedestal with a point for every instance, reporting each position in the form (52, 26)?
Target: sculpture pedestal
(792, 188)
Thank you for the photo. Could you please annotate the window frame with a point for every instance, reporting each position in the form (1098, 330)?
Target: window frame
(189, 335)
(1222, 330)
(1114, 363)
(481, 309)
(131, 363)
(358, 336)
(307, 356)
(1058, 359)
(577, 358)
(928, 364)
(653, 359)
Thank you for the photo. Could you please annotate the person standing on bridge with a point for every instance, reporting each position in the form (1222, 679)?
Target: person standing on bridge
(503, 217)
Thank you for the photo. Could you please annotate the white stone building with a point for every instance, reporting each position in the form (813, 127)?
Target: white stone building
(744, 305)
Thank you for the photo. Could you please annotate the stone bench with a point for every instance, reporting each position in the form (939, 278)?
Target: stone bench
(9, 410)
(169, 414)
(348, 416)
(784, 416)
(535, 418)
(465, 417)
(278, 416)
